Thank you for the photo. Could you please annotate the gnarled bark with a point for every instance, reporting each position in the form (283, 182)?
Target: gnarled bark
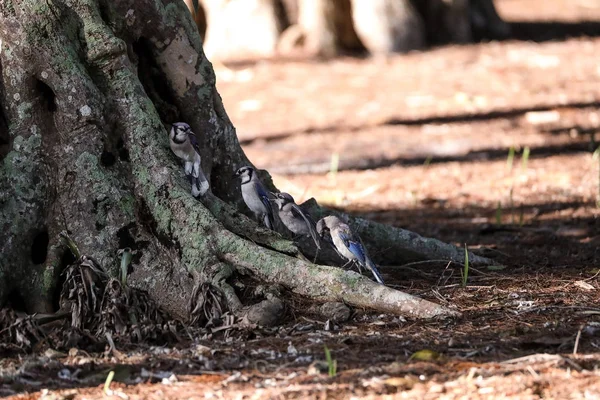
(90, 88)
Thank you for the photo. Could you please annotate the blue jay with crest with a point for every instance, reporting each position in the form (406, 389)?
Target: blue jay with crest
(294, 218)
(255, 195)
(347, 244)
(184, 144)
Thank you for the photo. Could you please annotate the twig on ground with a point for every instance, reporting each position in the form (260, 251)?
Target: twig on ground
(577, 341)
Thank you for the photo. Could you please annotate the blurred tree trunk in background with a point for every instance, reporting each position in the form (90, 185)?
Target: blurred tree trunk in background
(242, 28)
(319, 28)
(447, 21)
(388, 26)
(198, 14)
(485, 21)
(251, 28)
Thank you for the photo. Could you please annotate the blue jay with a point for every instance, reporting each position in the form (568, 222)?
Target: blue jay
(255, 195)
(294, 218)
(346, 243)
(184, 144)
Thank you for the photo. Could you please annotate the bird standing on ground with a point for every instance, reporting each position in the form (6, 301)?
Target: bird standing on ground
(294, 218)
(255, 195)
(184, 144)
(346, 243)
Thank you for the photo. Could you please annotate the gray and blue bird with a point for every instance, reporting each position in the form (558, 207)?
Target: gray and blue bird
(346, 243)
(294, 218)
(255, 195)
(184, 144)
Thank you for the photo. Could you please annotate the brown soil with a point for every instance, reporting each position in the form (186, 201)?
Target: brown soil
(423, 143)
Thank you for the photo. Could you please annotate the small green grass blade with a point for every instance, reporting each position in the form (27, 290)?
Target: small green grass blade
(126, 256)
(334, 164)
(427, 161)
(510, 158)
(499, 213)
(107, 383)
(525, 158)
(331, 364)
(70, 244)
(511, 205)
(465, 272)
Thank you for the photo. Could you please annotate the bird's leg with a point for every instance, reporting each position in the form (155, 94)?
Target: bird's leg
(196, 169)
(189, 167)
(358, 267)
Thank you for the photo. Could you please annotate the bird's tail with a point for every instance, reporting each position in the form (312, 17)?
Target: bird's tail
(371, 265)
(199, 185)
(314, 236)
(268, 220)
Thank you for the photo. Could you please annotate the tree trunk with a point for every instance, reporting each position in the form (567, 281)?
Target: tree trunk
(240, 29)
(197, 11)
(327, 27)
(330, 27)
(485, 21)
(88, 91)
(388, 26)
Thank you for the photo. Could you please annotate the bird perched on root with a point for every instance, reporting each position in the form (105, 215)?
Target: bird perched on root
(184, 144)
(346, 243)
(294, 218)
(255, 195)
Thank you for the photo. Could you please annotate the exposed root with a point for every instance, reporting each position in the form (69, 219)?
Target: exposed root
(392, 245)
(324, 284)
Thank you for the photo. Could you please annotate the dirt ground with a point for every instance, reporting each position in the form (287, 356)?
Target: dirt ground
(422, 141)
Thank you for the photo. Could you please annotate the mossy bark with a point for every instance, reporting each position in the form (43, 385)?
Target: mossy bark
(89, 89)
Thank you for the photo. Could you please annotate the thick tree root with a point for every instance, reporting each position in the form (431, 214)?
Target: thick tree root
(391, 245)
(325, 283)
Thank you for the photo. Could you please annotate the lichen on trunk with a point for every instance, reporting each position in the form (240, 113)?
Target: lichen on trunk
(90, 88)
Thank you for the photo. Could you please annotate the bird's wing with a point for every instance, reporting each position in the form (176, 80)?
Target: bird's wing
(264, 197)
(194, 141)
(353, 245)
(297, 211)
